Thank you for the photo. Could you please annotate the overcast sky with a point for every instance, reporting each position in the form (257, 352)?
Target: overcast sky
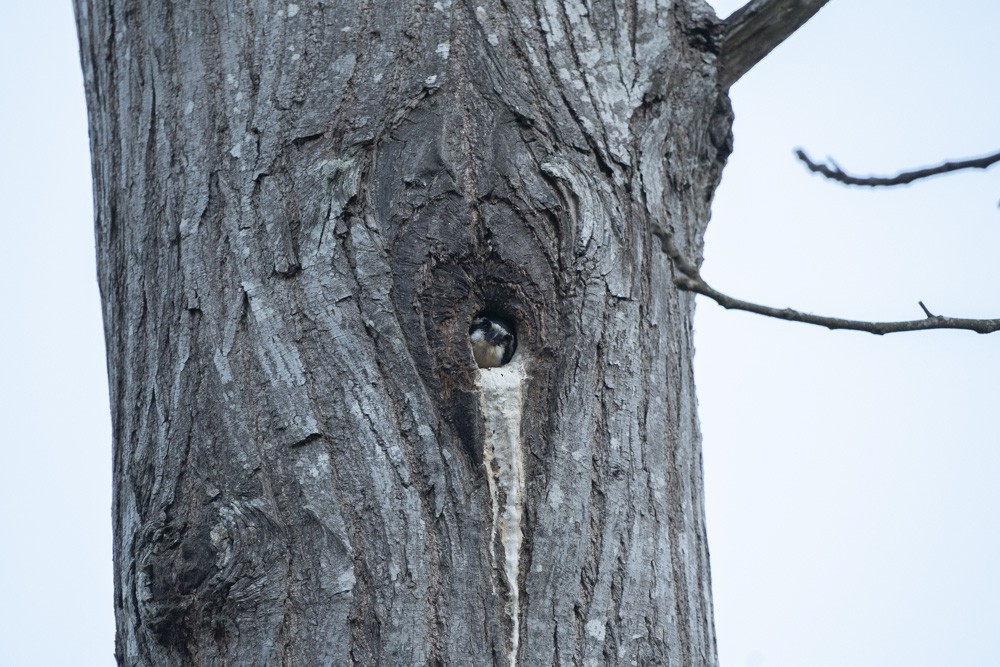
(852, 480)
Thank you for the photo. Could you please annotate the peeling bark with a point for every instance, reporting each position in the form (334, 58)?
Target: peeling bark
(300, 208)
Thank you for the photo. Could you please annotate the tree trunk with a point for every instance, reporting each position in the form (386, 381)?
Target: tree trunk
(300, 209)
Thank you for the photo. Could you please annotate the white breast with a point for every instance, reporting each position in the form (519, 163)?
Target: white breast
(487, 356)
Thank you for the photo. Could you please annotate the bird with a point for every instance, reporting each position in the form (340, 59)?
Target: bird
(493, 341)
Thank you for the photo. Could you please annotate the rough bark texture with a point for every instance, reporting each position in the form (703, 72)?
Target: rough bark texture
(300, 208)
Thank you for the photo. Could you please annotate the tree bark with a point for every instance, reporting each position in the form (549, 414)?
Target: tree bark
(299, 210)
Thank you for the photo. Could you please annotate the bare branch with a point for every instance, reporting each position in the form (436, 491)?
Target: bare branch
(834, 172)
(691, 280)
(699, 286)
(753, 30)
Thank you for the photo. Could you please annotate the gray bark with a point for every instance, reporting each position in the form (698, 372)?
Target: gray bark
(756, 28)
(300, 208)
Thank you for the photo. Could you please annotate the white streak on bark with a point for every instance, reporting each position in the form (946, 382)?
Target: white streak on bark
(501, 398)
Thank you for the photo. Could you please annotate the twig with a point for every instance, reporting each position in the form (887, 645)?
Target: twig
(753, 30)
(691, 280)
(835, 173)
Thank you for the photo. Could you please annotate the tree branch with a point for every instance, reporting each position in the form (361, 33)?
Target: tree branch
(753, 30)
(691, 280)
(835, 173)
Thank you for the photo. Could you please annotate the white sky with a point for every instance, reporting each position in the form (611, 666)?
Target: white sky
(853, 503)
(853, 500)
